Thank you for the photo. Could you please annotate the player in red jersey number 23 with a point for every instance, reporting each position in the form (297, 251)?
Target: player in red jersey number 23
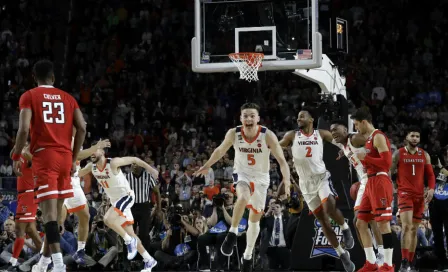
(377, 199)
(49, 115)
(412, 163)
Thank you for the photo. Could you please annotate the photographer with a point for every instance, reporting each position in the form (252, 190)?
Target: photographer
(101, 243)
(179, 244)
(219, 221)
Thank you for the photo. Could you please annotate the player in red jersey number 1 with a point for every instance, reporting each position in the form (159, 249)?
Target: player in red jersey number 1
(412, 163)
(48, 115)
(377, 200)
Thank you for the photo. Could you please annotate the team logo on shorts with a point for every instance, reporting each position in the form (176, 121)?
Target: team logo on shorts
(383, 202)
(321, 245)
(24, 208)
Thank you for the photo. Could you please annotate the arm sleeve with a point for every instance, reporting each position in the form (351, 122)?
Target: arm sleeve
(429, 173)
(25, 101)
(384, 162)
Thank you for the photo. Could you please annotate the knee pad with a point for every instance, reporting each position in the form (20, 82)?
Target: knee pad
(52, 232)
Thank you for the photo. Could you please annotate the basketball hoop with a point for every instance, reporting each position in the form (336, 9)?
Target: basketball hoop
(248, 64)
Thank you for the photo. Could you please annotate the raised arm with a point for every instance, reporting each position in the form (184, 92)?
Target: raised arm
(84, 171)
(118, 162)
(326, 136)
(277, 152)
(85, 153)
(288, 139)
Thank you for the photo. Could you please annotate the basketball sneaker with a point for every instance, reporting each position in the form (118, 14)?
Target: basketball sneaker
(349, 266)
(149, 265)
(368, 267)
(132, 249)
(246, 265)
(347, 239)
(404, 265)
(228, 244)
(387, 268)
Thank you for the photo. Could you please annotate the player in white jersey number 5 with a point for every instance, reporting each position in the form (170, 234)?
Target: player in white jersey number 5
(351, 145)
(253, 144)
(315, 182)
(119, 217)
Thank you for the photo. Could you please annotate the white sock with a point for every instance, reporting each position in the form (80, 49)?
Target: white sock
(81, 245)
(381, 249)
(43, 261)
(234, 230)
(345, 226)
(251, 238)
(339, 250)
(127, 239)
(146, 257)
(388, 254)
(370, 255)
(57, 259)
(13, 261)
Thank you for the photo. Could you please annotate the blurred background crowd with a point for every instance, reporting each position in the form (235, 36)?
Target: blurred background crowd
(128, 65)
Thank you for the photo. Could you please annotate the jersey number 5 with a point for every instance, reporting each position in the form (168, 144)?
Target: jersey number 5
(251, 159)
(48, 112)
(308, 152)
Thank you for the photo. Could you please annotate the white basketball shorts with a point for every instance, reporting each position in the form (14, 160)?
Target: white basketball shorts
(76, 203)
(123, 207)
(319, 188)
(258, 184)
(362, 188)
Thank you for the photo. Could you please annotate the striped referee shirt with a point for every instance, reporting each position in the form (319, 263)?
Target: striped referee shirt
(141, 185)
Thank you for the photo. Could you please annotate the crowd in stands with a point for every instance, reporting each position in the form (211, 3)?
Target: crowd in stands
(128, 65)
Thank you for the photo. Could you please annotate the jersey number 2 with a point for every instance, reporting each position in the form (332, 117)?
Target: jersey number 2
(308, 152)
(48, 111)
(251, 159)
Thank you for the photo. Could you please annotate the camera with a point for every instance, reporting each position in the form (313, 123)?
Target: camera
(219, 200)
(174, 215)
(100, 224)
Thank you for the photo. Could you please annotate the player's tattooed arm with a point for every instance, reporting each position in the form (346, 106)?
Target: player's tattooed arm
(86, 153)
(118, 162)
(277, 152)
(84, 171)
(395, 159)
(288, 139)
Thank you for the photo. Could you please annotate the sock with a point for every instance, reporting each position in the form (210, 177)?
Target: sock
(13, 261)
(146, 257)
(411, 256)
(344, 227)
(44, 261)
(57, 259)
(251, 238)
(127, 239)
(234, 230)
(17, 248)
(81, 245)
(339, 250)
(370, 255)
(404, 254)
(388, 254)
(381, 249)
(388, 243)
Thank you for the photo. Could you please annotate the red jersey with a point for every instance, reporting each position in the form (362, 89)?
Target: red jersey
(373, 152)
(411, 171)
(52, 121)
(26, 181)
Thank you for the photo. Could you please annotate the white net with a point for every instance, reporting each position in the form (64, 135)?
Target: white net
(248, 64)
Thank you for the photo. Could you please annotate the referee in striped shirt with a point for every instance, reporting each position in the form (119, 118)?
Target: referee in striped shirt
(142, 183)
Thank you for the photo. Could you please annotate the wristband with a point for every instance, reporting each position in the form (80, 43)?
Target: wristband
(15, 157)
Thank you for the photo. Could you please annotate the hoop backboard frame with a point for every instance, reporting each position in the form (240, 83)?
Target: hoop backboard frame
(270, 64)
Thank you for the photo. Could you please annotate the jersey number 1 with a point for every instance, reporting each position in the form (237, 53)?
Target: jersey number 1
(413, 170)
(251, 159)
(48, 111)
(308, 152)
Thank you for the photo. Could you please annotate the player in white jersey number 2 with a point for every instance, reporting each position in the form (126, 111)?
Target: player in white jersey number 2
(315, 182)
(253, 145)
(119, 217)
(351, 145)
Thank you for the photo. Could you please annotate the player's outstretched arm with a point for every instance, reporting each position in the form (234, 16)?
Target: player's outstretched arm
(277, 152)
(288, 139)
(118, 162)
(80, 134)
(218, 153)
(86, 153)
(84, 171)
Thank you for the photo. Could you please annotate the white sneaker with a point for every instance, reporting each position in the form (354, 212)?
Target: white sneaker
(132, 249)
(38, 268)
(379, 259)
(59, 269)
(149, 265)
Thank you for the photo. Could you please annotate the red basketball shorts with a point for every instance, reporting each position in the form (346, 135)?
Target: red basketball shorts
(409, 202)
(51, 171)
(377, 200)
(26, 208)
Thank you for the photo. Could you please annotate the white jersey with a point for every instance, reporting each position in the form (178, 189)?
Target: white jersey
(75, 180)
(251, 158)
(308, 153)
(351, 153)
(115, 186)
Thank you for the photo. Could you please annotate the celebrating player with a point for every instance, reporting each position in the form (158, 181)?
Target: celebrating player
(377, 199)
(119, 217)
(26, 210)
(49, 115)
(315, 182)
(412, 163)
(253, 144)
(351, 145)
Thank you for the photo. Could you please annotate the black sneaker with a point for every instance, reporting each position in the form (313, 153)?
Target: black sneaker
(228, 244)
(246, 265)
(404, 265)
